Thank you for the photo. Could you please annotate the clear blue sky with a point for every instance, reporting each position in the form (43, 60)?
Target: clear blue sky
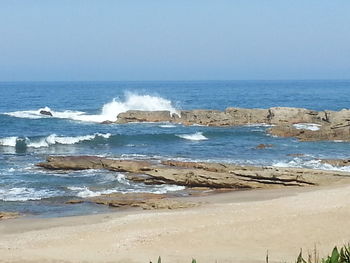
(174, 39)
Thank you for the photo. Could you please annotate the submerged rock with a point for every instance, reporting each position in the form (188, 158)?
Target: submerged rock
(263, 146)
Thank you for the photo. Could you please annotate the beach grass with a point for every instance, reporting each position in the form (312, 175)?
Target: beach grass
(337, 256)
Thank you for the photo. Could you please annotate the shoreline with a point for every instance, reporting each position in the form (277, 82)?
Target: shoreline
(236, 226)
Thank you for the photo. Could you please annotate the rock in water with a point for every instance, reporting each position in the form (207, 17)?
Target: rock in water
(263, 146)
(45, 112)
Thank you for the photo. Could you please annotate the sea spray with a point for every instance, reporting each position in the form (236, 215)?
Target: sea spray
(109, 112)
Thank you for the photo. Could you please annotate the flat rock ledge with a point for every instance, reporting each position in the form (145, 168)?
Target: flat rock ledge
(334, 125)
(146, 201)
(197, 174)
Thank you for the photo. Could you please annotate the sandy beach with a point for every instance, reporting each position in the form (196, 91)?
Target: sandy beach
(229, 227)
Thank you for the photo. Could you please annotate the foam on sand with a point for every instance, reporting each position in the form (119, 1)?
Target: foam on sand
(109, 111)
(198, 136)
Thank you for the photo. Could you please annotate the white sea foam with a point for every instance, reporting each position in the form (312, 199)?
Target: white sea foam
(307, 126)
(198, 136)
(51, 140)
(109, 110)
(167, 126)
(9, 141)
(25, 194)
(312, 164)
(85, 192)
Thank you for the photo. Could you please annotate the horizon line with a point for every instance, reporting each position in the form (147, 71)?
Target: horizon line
(208, 80)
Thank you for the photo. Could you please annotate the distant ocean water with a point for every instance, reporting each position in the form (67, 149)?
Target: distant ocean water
(27, 137)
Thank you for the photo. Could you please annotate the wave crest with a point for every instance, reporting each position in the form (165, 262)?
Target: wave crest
(198, 136)
(109, 112)
(49, 140)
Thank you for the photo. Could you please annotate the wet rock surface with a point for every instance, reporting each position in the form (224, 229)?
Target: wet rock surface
(45, 112)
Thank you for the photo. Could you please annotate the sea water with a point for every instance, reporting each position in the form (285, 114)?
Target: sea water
(28, 137)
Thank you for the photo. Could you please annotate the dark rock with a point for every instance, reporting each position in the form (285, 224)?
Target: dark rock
(45, 112)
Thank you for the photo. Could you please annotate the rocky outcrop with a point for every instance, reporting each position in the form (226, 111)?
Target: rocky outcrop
(338, 132)
(238, 116)
(8, 215)
(45, 112)
(334, 125)
(195, 174)
(146, 116)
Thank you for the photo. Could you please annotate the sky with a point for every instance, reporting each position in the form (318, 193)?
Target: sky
(74, 40)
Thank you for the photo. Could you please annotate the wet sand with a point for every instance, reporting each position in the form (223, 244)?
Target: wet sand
(228, 227)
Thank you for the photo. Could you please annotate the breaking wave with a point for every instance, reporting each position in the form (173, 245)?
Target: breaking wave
(26, 194)
(109, 111)
(85, 192)
(311, 164)
(49, 140)
(198, 136)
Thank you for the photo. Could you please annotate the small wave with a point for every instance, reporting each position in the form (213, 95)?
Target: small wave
(167, 126)
(26, 194)
(85, 192)
(49, 140)
(198, 136)
(307, 126)
(109, 110)
(311, 164)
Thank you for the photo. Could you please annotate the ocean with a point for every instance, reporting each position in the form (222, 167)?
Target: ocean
(27, 137)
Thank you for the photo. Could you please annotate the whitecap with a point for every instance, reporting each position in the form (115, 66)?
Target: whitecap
(9, 141)
(26, 194)
(167, 126)
(198, 136)
(51, 140)
(311, 164)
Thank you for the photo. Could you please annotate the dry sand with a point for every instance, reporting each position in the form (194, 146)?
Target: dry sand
(231, 227)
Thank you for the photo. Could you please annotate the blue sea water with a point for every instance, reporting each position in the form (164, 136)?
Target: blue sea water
(26, 137)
